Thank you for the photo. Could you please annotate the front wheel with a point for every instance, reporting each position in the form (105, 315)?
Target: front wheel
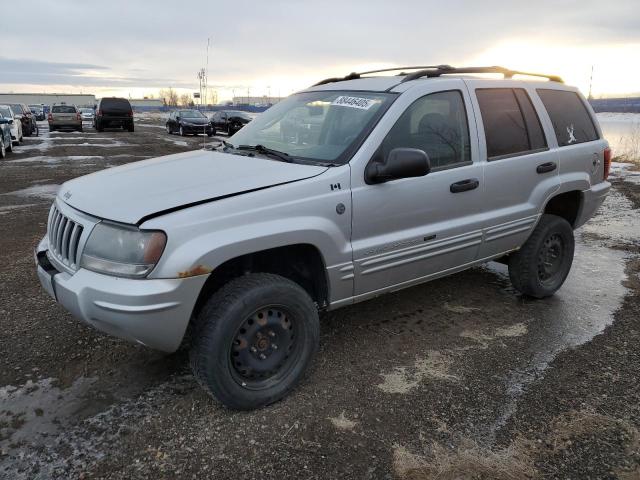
(182, 132)
(168, 129)
(542, 264)
(253, 340)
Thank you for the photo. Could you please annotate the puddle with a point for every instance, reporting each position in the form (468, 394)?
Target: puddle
(47, 432)
(46, 191)
(582, 309)
(615, 224)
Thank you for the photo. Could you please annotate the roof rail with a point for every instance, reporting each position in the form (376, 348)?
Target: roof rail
(431, 72)
(355, 76)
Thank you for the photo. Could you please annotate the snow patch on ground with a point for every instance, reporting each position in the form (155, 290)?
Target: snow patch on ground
(48, 191)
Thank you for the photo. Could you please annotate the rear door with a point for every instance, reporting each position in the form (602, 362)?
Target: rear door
(521, 171)
(580, 143)
(407, 230)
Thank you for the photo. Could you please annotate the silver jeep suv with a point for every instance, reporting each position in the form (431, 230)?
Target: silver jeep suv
(350, 189)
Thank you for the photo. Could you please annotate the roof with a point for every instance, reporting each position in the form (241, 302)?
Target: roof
(357, 81)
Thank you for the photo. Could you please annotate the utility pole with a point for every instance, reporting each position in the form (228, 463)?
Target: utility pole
(590, 83)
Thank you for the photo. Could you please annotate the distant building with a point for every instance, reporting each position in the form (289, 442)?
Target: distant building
(147, 103)
(264, 100)
(80, 100)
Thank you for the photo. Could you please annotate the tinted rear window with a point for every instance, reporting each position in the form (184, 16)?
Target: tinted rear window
(63, 109)
(16, 107)
(119, 104)
(571, 120)
(511, 125)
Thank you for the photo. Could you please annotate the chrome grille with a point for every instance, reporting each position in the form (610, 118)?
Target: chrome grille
(64, 238)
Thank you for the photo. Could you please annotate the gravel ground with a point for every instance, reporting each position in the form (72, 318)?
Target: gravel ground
(457, 378)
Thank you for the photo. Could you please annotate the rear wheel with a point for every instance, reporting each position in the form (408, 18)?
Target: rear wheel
(9, 147)
(99, 127)
(3, 150)
(253, 340)
(542, 264)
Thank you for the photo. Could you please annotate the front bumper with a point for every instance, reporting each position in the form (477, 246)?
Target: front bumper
(591, 201)
(153, 312)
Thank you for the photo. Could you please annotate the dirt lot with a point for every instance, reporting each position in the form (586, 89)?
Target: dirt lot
(457, 378)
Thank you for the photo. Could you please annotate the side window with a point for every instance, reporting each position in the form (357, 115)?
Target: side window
(511, 124)
(571, 120)
(436, 123)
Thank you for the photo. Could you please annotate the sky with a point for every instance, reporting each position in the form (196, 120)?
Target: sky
(133, 48)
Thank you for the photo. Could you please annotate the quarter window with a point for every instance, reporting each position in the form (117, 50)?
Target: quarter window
(436, 123)
(571, 120)
(511, 124)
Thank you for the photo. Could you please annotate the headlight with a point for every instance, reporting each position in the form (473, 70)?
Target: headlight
(122, 251)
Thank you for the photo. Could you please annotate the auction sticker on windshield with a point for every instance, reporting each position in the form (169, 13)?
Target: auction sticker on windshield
(354, 102)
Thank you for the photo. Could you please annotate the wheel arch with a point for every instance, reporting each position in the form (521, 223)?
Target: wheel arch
(566, 205)
(302, 263)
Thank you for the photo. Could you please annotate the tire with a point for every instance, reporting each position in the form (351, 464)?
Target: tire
(542, 264)
(182, 133)
(80, 130)
(9, 148)
(52, 129)
(232, 351)
(210, 133)
(3, 150)
(131, 128)
(99, 127)
(168, 129)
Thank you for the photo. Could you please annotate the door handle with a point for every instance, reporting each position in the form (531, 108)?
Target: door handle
(546, 167)
(464, 185)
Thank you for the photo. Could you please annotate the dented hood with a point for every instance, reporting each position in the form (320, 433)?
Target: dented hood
(132, 192)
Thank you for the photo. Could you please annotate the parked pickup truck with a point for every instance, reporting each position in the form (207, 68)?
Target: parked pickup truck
(407, 178)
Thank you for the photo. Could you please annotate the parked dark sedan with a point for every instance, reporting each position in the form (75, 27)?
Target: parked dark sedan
(230, 121)
(28, 119)
(189, 122)
(38, 111)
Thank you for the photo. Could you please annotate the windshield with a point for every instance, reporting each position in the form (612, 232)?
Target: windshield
(63, 109)
(86, 110)
(324, 126)
(237, 113)
(16, 107)
(35, 107)
(5, 112)
(190, 114)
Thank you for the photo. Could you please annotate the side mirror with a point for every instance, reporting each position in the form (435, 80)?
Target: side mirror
(177, 119)
(400, 163)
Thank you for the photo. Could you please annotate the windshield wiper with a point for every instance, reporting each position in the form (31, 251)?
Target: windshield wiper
(285, 157)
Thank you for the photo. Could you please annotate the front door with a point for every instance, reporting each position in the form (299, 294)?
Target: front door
(407, 230)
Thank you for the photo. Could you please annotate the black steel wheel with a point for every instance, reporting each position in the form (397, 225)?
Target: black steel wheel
(253, 340)
(542, 264)
(264, 346)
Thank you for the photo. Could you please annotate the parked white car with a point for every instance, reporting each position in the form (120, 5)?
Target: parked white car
(16, 126)
(87, 114)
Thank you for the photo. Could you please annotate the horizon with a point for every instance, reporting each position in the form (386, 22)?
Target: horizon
(278, 49)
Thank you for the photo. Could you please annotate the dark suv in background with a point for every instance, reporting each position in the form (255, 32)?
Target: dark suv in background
(113, 112)
(230, 121)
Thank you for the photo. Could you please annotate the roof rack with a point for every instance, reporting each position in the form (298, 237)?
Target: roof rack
(355, 76)
(431, 71)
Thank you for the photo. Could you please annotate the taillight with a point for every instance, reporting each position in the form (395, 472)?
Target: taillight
(99, 113)
(131, 114)
(50, 117)
(78, 116)
(607, 162)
